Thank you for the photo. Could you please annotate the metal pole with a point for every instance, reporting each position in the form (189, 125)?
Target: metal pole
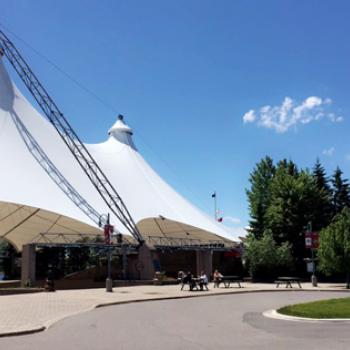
(313, 276)
(125, 263)
(109, 281)
(215, 207)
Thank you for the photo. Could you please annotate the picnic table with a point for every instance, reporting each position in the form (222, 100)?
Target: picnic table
(194, 284)
(227, 280)
(288, 281)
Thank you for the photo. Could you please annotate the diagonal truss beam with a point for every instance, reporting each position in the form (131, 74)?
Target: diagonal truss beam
(44, 161)
(70, 138)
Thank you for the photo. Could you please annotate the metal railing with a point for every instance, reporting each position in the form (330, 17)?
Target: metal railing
(188, 243)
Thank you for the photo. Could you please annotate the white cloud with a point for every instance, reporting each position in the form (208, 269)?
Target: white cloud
(329, 151)
(335, 119)
(249, 117)
(289, 114)
(232, 220)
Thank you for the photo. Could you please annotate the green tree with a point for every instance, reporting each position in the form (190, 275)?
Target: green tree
(266, 260)
(320, 177)
(259, 194)
(334, 251)
(288, 166)
(293, 199)
(341, 196)
(323, 208)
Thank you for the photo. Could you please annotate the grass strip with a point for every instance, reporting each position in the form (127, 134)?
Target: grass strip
(330, 308)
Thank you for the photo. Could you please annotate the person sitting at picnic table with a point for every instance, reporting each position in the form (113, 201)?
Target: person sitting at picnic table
(180, 276)
(188, 279)
(217, 278)
(203, 281)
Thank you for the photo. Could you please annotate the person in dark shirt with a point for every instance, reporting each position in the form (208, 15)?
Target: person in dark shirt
(189, 280)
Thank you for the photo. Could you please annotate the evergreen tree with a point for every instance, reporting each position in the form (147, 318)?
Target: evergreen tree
(288, 166)
(259, 195)
(320, 177)
(341, 193)
(323, 209)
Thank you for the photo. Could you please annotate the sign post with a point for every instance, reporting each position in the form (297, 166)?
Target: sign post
(312, 242)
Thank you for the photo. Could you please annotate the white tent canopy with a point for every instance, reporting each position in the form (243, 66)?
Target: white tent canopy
(24, 182)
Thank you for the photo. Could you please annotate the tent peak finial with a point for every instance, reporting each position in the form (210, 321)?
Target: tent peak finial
(119, 128)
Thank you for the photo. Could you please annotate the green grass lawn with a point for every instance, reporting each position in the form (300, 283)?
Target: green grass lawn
(331, 308)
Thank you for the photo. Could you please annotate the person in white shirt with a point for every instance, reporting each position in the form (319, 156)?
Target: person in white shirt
(203, 281)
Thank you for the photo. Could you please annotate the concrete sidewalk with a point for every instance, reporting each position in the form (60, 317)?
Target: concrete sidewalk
(21, 314)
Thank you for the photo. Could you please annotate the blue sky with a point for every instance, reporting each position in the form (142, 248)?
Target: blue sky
(185, 73)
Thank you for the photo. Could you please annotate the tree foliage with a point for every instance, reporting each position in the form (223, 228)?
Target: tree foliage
(294, 198)
(259, 195)
(341, 196)
(266, 260)
(323, 207)
(334, 251)
(284, 199)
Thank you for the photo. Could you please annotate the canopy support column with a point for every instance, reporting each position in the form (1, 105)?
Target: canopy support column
(28, 265)
(145, 263)
(204, 262)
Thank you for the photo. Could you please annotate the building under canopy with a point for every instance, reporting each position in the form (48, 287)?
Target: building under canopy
(33, 208)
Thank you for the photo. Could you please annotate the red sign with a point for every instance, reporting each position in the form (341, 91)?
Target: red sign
(233, 254)
(312, 240)
(108, 230)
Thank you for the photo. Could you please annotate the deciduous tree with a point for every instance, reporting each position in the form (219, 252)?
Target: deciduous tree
(266, 260)
(334, 251)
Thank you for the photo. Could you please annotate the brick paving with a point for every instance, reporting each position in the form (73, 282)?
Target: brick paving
(33, 312)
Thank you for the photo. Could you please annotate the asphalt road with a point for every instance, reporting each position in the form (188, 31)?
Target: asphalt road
(218, 322)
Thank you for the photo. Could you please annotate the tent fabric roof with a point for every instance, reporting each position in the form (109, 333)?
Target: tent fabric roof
(23, 180)
(21, 224)
(164, 232)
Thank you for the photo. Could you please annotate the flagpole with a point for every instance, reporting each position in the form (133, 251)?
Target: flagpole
(215, 206)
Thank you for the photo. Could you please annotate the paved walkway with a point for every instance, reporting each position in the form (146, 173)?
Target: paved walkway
(221, 322)
(34, 312)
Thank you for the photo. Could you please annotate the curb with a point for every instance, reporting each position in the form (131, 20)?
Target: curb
(278, 316)
(242, 290)
(24, 332)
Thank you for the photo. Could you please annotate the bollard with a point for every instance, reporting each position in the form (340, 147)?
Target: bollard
(109, 285)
